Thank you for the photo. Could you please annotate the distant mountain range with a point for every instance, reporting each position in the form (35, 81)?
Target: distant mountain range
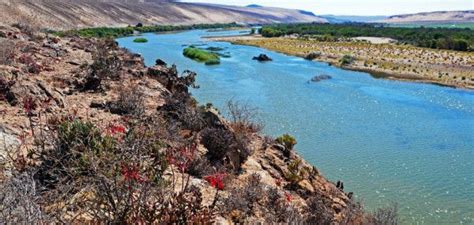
(466, 16)
(358, 19)
(68, 14)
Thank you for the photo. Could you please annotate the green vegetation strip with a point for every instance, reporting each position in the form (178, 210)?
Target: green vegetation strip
(201, 55)
(437, 38)
(140, 40)
(114, 32)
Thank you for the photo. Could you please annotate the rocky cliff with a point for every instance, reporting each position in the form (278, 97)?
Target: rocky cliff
(88, 133)
(69, 14)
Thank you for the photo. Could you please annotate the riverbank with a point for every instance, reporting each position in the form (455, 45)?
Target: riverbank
(386, 60)
(84, 104)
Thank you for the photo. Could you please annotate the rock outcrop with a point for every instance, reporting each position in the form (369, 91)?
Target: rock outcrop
(262, 58)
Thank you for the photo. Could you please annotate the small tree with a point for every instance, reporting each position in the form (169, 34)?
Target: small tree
(346, 60)
(286, 140)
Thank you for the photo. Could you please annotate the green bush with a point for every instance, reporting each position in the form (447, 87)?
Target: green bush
(346, 60)
(140, 40)
(200, 55)
(102, 32)
(440, 38)
(286, 140)
(83, 136)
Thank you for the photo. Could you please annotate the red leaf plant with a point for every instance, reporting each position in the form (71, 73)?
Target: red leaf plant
(288, 197)
(182, 157)
(216, 180)
(117, 129)
(29, 105)
(132, 173)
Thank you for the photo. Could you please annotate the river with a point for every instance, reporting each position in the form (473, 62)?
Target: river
(389, 141)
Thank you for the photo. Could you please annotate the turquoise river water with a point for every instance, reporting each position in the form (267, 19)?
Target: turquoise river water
(389, 141)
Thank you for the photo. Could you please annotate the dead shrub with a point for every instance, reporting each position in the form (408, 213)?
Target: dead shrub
(183, 114)
(6, 84)
(279, 209)
(31, 65)
(131, 101)
(242, 117)
(243, 200)
(19, 201)
(225, 148)
(384, 216)
(106, 66)
(318, 210)
(7, 52)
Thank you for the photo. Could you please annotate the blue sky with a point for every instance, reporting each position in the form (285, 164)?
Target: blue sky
(358, 7)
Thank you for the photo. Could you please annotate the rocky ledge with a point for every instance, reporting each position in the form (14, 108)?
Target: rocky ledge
(94, 135)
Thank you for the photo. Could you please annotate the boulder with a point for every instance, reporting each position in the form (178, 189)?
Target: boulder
(320, 78)
(262, 58)
(160, 62)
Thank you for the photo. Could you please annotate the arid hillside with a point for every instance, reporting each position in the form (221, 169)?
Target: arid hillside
(68, 14)
(434, 17)
(88, 134)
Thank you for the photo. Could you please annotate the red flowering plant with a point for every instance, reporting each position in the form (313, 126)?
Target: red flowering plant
(116, 131)
(29, 104)
(131, 173)
(217, 181)
(288, 197)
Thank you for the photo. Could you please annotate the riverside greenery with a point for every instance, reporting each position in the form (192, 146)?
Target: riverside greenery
(201, 55)
(140, 40)
(437, 38)
(114, 32)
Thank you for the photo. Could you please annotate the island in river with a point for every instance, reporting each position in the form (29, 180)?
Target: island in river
(381, 59)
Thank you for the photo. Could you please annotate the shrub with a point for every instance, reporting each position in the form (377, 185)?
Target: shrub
(346, 60)
(19, 201)
(242, 118)
(245, 199)
(222, 144)
(5, 88)
(7, 52)
(385, 216)
(106, 65)
(218, 142)
(200, 55)
(295, 173)
(131, 101)
(313, 55)
(140, 40)
(286, 140)
(318, 211)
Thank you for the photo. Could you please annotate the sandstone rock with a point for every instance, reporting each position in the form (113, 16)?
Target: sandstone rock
(7, 141)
